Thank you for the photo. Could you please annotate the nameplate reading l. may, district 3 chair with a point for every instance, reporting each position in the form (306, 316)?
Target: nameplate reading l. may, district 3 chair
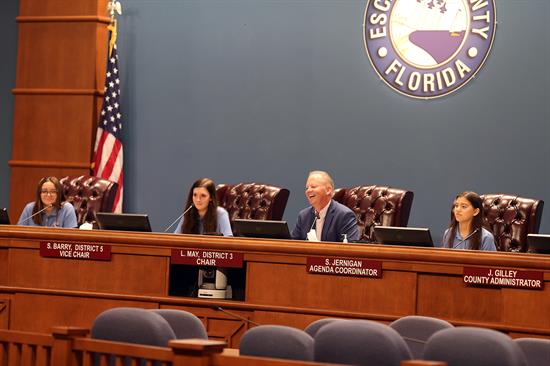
(201, 257)
(89, 251)
(499, 277)
(335, 266)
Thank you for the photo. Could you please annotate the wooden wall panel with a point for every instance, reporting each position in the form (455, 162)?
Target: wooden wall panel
(58, 55)
(5, 311)
(286, 285)
(124, 274)
(526, 308)
(63, 8)
(42, 118)
(59, 86)
(61, 310)
(3, 266)
(447, 297)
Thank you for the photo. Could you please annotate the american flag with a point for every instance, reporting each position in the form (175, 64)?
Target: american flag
(108, 158)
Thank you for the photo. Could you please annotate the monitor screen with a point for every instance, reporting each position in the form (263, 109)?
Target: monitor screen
(539, 243)
(409, 236)
(124, 222)
(4, 217)
(261, 229)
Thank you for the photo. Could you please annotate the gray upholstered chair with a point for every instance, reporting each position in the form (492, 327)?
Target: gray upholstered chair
(132, 325)
(360, 342)
(314, 327)
(536, 350)
(470, 346)
(277, 341)
(416, 330)
(184, 324)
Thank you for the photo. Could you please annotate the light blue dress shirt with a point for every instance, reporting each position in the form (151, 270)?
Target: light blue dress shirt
(224, 226)
(63, 217)
(487, 240)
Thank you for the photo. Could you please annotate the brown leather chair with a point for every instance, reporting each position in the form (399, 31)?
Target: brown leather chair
(511, 218)
(89, 195)
(376, 205)
(252, 201)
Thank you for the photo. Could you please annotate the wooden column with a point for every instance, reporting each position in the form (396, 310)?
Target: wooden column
(61, 62)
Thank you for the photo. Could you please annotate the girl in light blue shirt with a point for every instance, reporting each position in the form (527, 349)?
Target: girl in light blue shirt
(466, 230)
(202, 213)
(48, 208)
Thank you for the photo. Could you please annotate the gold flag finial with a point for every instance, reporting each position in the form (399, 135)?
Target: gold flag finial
(113, 6)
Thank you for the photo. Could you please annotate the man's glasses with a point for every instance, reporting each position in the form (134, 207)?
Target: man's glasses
(48, 193)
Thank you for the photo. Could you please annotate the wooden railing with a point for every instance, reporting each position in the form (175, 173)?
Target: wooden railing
(69, 346)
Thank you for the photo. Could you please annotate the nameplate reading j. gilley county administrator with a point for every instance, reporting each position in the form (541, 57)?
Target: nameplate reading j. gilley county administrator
(201, 257)
(344, 266)
(87, 251)
(498, 277)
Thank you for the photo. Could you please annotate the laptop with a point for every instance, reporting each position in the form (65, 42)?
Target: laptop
(538, 243)
(123, 221)
(4, 217)
(261, 229)
(408, 236)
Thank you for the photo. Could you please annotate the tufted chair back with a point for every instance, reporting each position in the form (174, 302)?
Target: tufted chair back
(511, 218)
(252, 201)
(376, 205)
(89, 195)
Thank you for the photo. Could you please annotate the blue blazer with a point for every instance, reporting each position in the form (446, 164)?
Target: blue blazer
(339, 220)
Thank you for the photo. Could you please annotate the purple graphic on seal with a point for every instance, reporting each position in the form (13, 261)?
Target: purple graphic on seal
(428, 48)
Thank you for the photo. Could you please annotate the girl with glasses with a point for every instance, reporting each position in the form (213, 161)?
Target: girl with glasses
(48, 209)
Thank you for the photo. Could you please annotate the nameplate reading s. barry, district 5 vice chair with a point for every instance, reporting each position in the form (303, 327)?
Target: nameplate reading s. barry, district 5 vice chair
(87, 251)
(428, 48)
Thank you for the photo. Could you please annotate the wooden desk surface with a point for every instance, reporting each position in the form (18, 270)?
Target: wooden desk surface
(278, 289)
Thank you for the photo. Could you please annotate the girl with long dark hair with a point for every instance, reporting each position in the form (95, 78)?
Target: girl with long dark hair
(203, 215)
(48, 208)
(466, 229)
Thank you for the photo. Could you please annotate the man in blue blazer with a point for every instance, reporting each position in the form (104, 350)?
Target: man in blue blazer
(326, 219)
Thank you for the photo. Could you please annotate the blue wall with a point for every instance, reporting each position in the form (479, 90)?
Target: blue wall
(266, 90)
(8, 29)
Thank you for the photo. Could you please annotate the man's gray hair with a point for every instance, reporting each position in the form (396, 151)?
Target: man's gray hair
(325, 175)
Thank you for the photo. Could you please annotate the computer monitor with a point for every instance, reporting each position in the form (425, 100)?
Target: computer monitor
(261, 229)
(408, 236)
(4, 217)
(124, 222)
(539, 243)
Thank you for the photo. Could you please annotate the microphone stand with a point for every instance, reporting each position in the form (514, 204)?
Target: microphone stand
(179, 217)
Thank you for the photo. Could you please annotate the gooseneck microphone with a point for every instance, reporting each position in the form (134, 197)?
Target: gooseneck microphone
(236, 316)
(317, 217)
(36, 213)
(179, 217)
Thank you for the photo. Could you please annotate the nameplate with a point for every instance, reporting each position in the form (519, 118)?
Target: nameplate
(344, 266)
(200, 257)
(57, 249)
(498, 277)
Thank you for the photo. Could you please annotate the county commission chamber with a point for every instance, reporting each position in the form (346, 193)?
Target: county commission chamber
(256, 96)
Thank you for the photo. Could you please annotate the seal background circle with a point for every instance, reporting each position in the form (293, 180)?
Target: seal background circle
(371, 51)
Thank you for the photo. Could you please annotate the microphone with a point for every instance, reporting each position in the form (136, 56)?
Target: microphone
(179, 217)
(317, 217)
(236, 316)
(36, 213)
